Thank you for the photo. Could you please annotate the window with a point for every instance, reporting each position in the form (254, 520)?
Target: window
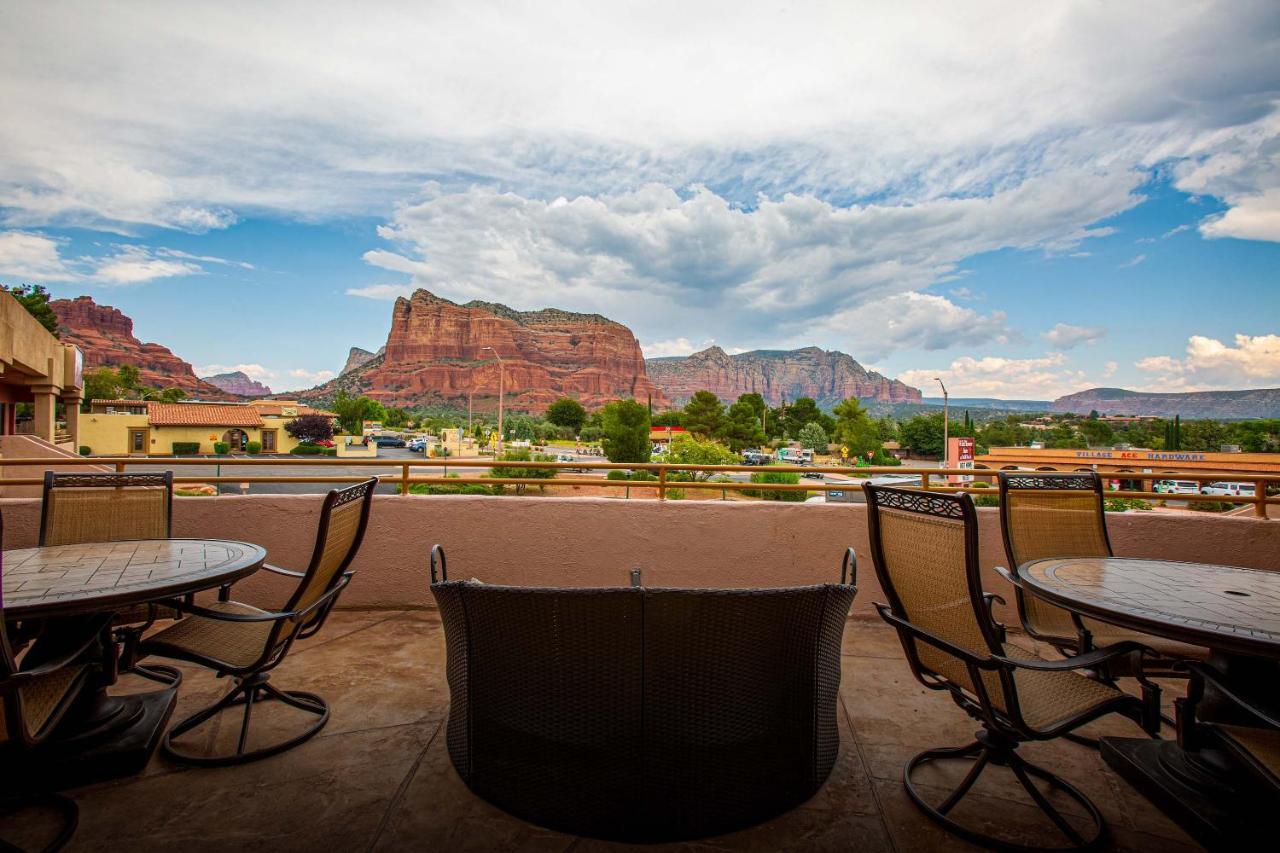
(268, 441)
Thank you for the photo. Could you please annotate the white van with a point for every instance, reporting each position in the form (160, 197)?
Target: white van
(1177, 487)
(1234, 490)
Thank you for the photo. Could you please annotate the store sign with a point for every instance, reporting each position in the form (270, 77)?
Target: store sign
(960, 453)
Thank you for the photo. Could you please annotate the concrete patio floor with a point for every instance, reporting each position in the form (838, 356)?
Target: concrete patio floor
(379, 778)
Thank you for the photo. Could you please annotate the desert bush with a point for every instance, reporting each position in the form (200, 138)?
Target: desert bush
(186, 448)
(221, 448)
(254, 448)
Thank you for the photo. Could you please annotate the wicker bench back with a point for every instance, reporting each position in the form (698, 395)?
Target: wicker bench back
(643, 714)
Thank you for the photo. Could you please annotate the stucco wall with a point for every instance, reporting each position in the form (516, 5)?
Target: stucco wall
(108, 435)
(30, 447)
(595, 541)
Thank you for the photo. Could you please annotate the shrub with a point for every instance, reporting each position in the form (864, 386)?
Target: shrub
(1123, 504)
(330, 451)
(452, 488)
(531, 473)
(84, 450)
(309, 450)
(779, 477)
(643, 476)
(221, 448)
(616, 474)
(675, 494)
(311, 428)
(254, 448)
(189, 448)
(1211, 506)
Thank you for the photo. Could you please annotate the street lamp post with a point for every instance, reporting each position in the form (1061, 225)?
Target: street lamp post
(946, 426)
(502, 392)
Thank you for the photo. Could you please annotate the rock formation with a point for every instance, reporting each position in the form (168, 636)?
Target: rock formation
(105, 336)
(826, 376)
(1218, 405)
(238, 382)
(358, 358)
(439, 352)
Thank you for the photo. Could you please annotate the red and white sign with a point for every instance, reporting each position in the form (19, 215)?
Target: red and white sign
(960, 453)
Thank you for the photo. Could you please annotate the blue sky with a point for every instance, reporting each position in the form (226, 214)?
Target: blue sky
(1025, 201)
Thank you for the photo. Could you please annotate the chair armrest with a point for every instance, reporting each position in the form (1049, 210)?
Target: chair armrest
(437, 556)
(990, 599)
(1211, 676)
(1013, 579)
(935, 641)
(65, 659)
(279, 571)
(304, 613)
(849, 565)
(1088, 659)
(196, 610)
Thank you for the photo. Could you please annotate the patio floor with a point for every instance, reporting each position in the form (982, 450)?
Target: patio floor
(379, 777)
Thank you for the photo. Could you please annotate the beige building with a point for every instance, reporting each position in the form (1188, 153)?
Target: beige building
(141, 427)
(37, 368)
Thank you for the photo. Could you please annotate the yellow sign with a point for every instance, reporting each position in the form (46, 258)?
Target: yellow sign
(844, 451)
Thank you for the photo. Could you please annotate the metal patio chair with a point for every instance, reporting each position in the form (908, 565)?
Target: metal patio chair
(641, 714)
(245, 643)
(1253, 739)
(1045, 514)
(925, 548)
(114, 507)
(34, 697)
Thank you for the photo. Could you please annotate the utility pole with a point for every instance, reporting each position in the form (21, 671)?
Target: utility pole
(502, 392)
(946, 426)
(470, 394)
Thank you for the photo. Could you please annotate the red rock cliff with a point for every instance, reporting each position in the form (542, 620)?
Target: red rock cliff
(825, 376)
(105, 336)
(436, 353)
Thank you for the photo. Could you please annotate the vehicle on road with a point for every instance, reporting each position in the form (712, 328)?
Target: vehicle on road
(1177, 487)
(754, 457)
(388, 441)
(795, 455)
(417, 445)
(1234, 490)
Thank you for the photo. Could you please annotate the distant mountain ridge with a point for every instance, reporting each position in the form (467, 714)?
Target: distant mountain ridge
(1217, 405)
(827, 376)
(238, 382)
(994, 403)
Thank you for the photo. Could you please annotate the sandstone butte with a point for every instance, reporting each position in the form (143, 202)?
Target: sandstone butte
(105, 336)
(238, 382)
(435, 354)
(825, 376)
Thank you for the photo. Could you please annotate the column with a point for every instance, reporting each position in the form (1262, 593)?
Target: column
(71, 402)
(46, 412)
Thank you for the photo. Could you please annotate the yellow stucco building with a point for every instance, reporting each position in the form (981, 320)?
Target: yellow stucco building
(138, 427)
(37, 368)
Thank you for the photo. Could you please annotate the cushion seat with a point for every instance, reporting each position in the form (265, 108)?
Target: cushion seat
(239, 644)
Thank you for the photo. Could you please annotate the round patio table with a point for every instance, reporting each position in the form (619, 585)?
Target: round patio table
(62, 586)
(1233, 611)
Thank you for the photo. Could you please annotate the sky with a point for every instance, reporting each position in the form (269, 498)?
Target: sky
(1024, 199)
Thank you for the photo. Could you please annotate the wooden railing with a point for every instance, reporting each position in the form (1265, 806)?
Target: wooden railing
(403, 476)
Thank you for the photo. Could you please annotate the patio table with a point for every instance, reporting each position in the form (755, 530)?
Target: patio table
(61, 586)
(1233, 611)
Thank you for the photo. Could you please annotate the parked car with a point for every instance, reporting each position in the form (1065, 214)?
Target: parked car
(754, 457)
(1234, 490)
(1177, 487)
(388, 441)
(417, 445)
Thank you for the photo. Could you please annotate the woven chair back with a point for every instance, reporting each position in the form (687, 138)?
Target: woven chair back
(1051, 515)
(925, 549)
(105, 507)
(643, 714)
(343, 519)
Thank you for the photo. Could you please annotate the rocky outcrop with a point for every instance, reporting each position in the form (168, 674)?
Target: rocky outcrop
(826, 376)
(359, 358)
(1217, 405)
(439, 352)
(237, 382)
(105, 336)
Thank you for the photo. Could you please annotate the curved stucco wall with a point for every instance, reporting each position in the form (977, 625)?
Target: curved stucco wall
(596, 541)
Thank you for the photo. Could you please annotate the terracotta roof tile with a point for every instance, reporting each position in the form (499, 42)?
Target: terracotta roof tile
(96, 402)
(203, 414)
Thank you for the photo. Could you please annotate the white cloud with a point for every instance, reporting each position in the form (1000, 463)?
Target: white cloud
(912, 321)
(31, 257)
(1010, 378)
(1177, 229)
(674, 346)
(1254, 217)
(1132, 262)
(389, 292)
(137, 264)
(208, 259)
(1066, 336)
(1110, 369)
(1252, 362)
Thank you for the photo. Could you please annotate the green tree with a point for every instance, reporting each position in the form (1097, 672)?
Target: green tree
(352, 412)
(1064, 437)
(130, 378)
(814, 437)
(740, 428)
(567, 412)
(703, 414)
(625, 426)
(523, 454)
(922, 435)
(394, 418)
(687, 450)
(855, 429)
(172, 395)
(672, 419)
(755, 401)
(35, 299)
(802, 411)
(775, 423)
(102, 384)
(1097, 433)
(888, 428)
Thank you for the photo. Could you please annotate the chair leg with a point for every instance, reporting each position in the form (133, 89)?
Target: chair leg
(66, 808)
(993, 749)
(248, 691)
(129, 639)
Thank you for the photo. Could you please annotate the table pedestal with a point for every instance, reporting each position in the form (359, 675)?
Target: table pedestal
(1200, 790)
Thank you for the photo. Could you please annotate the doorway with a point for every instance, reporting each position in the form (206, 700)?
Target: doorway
(139, 442)
(236, 439)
